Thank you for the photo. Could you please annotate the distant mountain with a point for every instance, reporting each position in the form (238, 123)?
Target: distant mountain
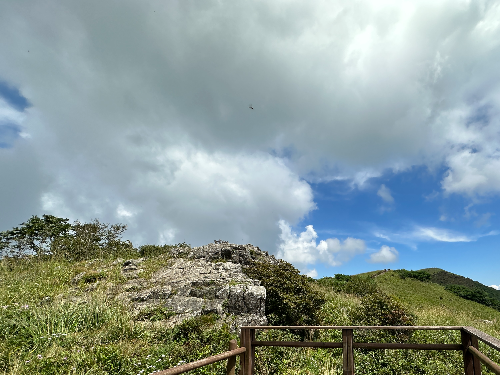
(446, 278)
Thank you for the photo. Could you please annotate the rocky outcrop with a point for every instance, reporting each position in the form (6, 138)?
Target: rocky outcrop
(201, 280)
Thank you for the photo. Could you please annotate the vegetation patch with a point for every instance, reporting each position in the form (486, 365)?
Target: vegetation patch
(476, 295)
(290, 297)
(417, 275)
(155, 314)
(358, 285)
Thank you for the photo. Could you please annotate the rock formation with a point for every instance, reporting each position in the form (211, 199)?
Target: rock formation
(201, 280)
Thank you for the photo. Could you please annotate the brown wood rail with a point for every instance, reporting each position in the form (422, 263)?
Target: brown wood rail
(230, 356)
(469, 345)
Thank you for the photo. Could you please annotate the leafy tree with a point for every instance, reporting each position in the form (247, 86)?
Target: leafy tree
(34, 236)
(54, 236)
(92, 240)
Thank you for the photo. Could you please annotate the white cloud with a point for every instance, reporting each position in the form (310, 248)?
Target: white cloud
(349, 87)
(121, 212)
(497, 287)
(302, 249)
(441, 235)
(421, 233)
(385, 194)
(312, 273)
(386, 254)
(182, 194)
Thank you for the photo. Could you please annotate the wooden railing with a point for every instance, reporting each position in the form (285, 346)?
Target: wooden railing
(469, 345)
(470, 337)
(230, 356)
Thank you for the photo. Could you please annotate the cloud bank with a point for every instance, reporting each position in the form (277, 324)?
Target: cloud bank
(303, 251)
(139, 110)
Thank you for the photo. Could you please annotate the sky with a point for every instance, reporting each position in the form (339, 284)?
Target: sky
(342, 136)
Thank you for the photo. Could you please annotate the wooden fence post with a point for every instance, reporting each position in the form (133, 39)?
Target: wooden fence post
(231, 362)
(251, 349)
(347, 352)
(243, 357)
(472, 365)
(477, 362)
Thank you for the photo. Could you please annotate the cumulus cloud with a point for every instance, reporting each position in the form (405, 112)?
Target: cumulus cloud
(184, 194)
(386, 254)
(145, 105)
(497, 287)
(302, 249)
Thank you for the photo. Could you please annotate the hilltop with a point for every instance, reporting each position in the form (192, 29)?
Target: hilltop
(158, 306)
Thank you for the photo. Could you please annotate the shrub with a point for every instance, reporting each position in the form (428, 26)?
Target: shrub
(357, 285)
(155, 313)
(93, 276)
(418, 275)
(154, 250)
(290, 298)
(379, 309)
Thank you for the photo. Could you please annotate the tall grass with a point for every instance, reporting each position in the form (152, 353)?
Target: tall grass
(52, 324)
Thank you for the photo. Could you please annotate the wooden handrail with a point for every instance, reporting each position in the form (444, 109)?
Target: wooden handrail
(469, 345)
(202, 362)
(414, 328)
(488, 362)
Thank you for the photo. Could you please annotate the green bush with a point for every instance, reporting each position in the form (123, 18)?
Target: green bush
(379, 309)
(418, 275)
(290, 298)
(154, 314)
(357, 285)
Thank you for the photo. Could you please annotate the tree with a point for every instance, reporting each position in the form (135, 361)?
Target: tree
(33, 236)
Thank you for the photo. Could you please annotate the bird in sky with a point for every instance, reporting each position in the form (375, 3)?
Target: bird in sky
(250, 106)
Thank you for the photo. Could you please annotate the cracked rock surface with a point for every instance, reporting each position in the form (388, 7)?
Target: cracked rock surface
(202, 280)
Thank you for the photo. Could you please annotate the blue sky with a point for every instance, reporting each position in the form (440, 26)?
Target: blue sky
(372, 142)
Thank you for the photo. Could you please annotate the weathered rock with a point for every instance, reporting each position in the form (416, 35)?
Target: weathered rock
(203, 280)
(130, 268)
(242, 254)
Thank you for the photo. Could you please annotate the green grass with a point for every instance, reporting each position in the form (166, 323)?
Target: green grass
(50, 324)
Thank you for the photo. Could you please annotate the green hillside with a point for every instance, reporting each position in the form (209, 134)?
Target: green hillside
(445, 278)
(53, 321)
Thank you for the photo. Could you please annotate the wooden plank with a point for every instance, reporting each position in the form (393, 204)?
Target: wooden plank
(423, 328)
(488, 362)
(484, 337)
(202, 362)
(299, 344)
(347, 352)
(231, 362)
(316, 344)
(370, 345)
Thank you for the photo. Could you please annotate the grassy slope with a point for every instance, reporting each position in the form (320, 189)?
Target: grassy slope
(48, 325)
(444, 278)
(436, 306)
(98, 337)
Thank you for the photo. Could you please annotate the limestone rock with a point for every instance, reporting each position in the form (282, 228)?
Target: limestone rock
(203, 280)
